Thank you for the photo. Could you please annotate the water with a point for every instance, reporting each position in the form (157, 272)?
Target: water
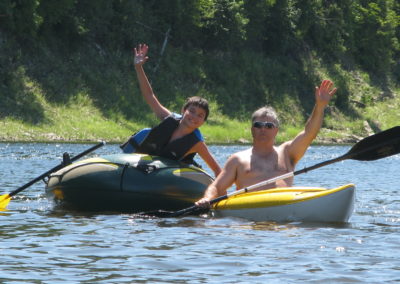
(41, 244)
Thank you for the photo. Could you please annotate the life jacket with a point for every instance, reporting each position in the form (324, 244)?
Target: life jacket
(155, 141)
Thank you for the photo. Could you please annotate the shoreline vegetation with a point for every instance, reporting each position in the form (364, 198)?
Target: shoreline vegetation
(35, 114)
(63, 107)
(67, 75)
(95, 128)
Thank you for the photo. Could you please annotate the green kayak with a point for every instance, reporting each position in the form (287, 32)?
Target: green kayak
(127, 183)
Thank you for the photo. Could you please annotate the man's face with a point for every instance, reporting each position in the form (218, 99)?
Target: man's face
(264, 129)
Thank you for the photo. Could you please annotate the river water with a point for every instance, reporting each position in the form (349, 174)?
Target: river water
(42, 244)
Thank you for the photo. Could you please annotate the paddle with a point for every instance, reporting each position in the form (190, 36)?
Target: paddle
(374, 147)
(5, 199)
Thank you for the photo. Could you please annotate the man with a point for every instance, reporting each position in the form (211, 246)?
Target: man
(265, 160)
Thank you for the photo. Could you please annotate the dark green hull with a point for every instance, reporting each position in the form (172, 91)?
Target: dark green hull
(127, 183)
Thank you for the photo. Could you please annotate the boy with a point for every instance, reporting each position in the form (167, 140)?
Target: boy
(177, 136)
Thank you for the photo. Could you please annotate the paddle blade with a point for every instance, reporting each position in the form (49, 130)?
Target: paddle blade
(151, 214)
(4, 200)
(377, 146)
(194, 210)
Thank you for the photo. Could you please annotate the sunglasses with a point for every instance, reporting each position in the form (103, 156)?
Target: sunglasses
(260, 124)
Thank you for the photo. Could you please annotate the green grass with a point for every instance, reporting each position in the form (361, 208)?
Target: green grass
(86, 96)
(79, 120)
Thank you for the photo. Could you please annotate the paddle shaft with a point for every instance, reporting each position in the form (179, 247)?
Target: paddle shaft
(56, 168)
(222, 197)
(377, 146)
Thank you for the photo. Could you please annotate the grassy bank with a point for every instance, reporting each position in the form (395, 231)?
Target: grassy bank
(92, 94)
(81, 121)
(66, 69)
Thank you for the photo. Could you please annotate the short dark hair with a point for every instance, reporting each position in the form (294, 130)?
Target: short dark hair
(199, 102)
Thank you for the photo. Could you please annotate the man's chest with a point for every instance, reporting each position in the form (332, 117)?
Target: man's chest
(269, 166)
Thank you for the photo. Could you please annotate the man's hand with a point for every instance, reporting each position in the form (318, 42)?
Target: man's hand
(324, 93)
(203, 203)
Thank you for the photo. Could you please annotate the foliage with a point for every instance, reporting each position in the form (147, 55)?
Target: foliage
(238, 54)
(375, 29)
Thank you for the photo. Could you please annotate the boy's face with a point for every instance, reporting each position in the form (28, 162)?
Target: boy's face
(194, 116)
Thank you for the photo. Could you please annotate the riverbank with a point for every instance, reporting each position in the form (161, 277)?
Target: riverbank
(66, 69)
(83, 123)
(87, 95)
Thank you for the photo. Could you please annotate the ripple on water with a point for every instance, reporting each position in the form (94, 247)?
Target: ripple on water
(43, 244)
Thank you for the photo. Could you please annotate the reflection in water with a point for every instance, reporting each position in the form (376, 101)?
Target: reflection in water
(268, 226)
(272, 226)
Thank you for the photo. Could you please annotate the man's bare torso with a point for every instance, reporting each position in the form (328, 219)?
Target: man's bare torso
(252, 168)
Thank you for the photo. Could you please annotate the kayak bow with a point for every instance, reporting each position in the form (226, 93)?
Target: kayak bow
(306, 204)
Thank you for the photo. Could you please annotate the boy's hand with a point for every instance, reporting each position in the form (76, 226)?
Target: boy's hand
(140, 54)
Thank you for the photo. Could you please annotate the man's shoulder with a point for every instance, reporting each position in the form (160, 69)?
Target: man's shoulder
(283, 146)
(241, 155)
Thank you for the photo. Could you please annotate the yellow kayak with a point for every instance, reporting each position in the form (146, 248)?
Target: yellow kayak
(307, 204)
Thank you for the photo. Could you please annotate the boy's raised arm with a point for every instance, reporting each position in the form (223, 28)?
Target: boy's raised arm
(140, 53)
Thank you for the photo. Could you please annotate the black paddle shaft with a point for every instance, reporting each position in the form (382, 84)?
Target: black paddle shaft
(56, 168)
(193, 208)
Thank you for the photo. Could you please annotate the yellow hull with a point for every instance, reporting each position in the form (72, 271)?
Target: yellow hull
(308, 204)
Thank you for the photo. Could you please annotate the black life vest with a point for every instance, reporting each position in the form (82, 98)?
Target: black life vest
(157, 142)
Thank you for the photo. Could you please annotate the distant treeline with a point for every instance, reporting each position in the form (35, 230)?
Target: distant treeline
(210, 38)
